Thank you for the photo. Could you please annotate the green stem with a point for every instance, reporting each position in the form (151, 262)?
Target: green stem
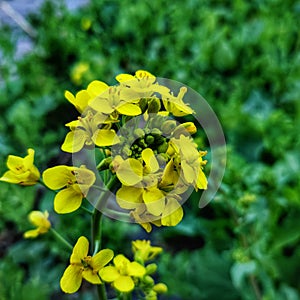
(61, 239)
(97, 230)
(101, 292)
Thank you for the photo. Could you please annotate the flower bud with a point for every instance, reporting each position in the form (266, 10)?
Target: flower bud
(160, 288)
(151, 268)
(150, 139)
(168, 126)
(139, 133)
(148, 280)
(151, 296)
(143, 104)
(186, 129)
(163, 147)
(154, 106)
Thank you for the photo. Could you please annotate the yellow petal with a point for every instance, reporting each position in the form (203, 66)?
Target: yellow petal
(39, 218)
(82, 100)
(124, 77)
(172, 214)
(70, 97)
(105, 137)
(101, 105)
(129, 109)
(67, 200)
(71, 279)
(154, 200)
(96, 88)
(124, 284)
(80, 250)
(28, 160)
(101, 259)
(57, 177)
(150, 160)
(143, 74)
(91, 276)
(188, 172)
(120, 260)
(135, 269)
(201, 181)
(31, 233)
(109, 273)
(129, 197)
(10, 177)
(130, 172)
(74, 141)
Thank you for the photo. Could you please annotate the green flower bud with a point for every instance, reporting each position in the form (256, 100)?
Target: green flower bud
(163, 147)
(143, 104)
(154, 106)
(151, 268)
(139, 133)
(159, 139)
(168, 127)
(142, 143)
(151, 296)
(148, 280)
(126, 151)
(150, 139)
(160, 288)
(155, 132)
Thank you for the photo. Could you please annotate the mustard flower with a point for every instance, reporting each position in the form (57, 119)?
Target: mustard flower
(21, 170)
(83, 97)
(111, 102)
(141, 85)
(84, 266)
(123, 273)
(74, 182)
(175, 104)
(143, 250)
(40, 220)
(85, 132)
(78, 72)
(191, 162)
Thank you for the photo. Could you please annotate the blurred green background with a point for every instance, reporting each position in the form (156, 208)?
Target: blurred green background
(243, 57)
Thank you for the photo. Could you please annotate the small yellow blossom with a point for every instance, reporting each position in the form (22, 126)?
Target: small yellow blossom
(21, 170)
(111, 102)
(83, 97)
(175, 104)
(78, 72)
(85, 132)
(143, 250)
(84, 266)
(40, 220)
(122, 274)
(75, 183)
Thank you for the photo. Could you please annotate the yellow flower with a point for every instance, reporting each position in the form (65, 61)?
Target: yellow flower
(76, 183)
(143, 250)
(84, 266)
(142, 85)
(111, 102)
(83, 97)
(21, 170)
(175, 104)
(122, 274)
(85, 132)
(78, 72)
(40, 220)
(190, 160)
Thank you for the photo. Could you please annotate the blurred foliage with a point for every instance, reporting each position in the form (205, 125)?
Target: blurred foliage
(244, 58)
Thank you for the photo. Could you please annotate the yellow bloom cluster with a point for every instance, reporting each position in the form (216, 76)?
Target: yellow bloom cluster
(153, 156)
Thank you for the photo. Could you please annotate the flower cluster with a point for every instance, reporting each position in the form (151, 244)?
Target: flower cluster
(152, 155)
